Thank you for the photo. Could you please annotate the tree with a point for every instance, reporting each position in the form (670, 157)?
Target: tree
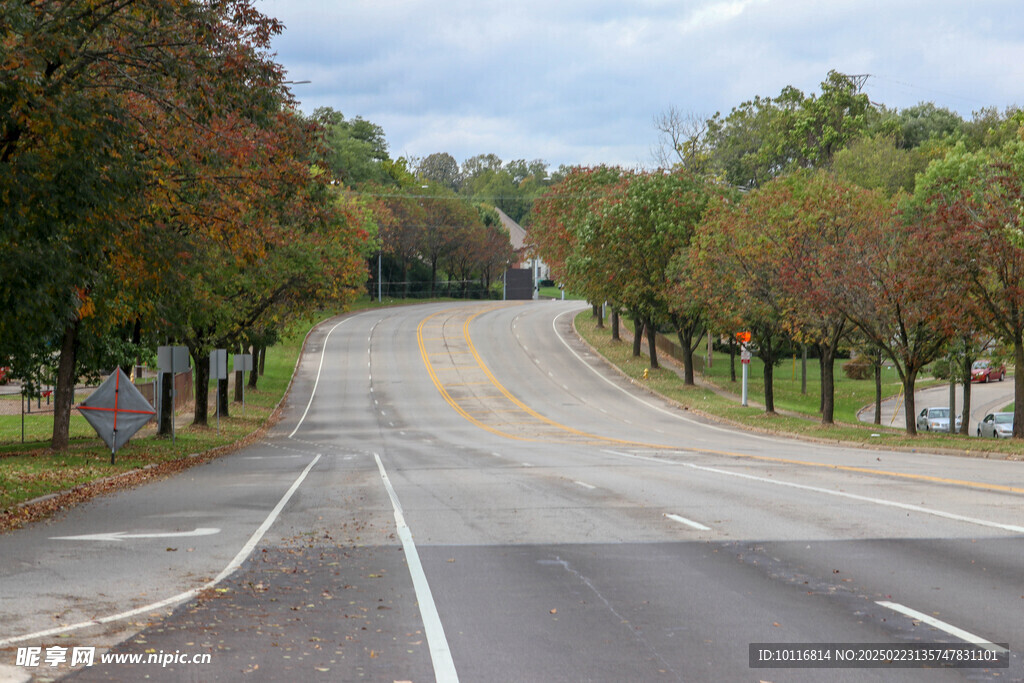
(442, 169)
(877, 163)
(557, 218)
(89, 91)
(354, 151)
(683, 140)
(979, 197)
(767, 137)
(815, 216)
(444, 217)
(924, 122)
(905, 290)
(735, 265)
(641, 226)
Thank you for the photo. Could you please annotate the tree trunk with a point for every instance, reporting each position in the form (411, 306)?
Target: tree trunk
(732, 358)
(684, 346)
(598, 311)
(64, 392)
(638, 336)
(201, 367)
(685, 332)
(909, 405)
(803, 369)
(1018, 385)
(828, 383)
(965, 417)
(769, 389)
(878, 388)
(222, 392)
(767, 355)
(821, 385)
(652, 346)
(166, 404)
(263, 359)
(137, 341)
(615, 325)
(254, 374)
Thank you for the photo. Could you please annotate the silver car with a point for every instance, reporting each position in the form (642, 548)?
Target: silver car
(996, 425)
(935, 420)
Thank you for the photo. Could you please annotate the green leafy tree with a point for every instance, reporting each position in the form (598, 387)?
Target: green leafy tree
(442, 169)
(354, 150)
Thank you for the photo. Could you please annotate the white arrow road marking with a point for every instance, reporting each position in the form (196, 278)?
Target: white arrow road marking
(124, 535)
(189, 594)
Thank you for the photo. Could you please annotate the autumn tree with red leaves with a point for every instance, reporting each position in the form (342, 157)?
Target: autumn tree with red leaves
(979, 196)
(139, 142)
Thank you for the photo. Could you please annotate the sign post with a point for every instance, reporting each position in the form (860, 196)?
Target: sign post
(744, 338)
(243, 364)
(172, 359)
(218, 371)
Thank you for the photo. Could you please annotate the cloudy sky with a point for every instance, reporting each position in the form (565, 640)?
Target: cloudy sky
(581, 81)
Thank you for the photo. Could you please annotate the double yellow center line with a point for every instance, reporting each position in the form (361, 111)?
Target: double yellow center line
(505, 415)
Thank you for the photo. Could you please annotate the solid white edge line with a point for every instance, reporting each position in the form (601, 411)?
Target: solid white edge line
(841, 494)
(584, 484)
(942, 626)
(676, 414)
(323, 354)
(187, 595)
(687, 522)
(440, 653)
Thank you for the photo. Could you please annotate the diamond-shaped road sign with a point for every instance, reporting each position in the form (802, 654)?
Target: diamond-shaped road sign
(116, 410)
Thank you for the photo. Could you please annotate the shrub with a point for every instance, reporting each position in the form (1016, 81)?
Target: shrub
(860, 367)
(940, 368)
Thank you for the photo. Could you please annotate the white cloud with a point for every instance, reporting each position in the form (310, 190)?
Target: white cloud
(580, 81)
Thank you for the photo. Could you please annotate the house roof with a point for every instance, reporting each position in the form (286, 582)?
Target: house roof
(516, 232)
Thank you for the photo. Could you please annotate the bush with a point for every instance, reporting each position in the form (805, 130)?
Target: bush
(547, 283)
(940, 368)
(860, 367)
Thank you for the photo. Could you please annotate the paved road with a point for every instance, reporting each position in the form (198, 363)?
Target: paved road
(464, 492)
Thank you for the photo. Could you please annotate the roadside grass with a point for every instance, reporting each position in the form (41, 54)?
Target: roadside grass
(556, 293)
(801, 416)
(32, 470)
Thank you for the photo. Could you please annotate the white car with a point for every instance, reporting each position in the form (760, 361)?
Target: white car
(935, 420)
(996, 425)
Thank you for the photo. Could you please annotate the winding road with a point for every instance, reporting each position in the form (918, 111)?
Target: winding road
(467, 492)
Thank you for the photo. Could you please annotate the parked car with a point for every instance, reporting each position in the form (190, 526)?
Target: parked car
(996, 425)
(985, 371)
(4, 372)
(935, 420)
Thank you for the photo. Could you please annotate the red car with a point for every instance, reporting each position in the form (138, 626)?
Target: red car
(3, 375)
(985, 371)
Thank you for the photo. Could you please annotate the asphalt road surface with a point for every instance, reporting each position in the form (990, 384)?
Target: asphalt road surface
(466, 492)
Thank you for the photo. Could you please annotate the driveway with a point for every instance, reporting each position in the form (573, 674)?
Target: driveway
(985, 398)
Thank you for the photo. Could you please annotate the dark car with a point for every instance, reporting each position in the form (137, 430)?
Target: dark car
(986, 371)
